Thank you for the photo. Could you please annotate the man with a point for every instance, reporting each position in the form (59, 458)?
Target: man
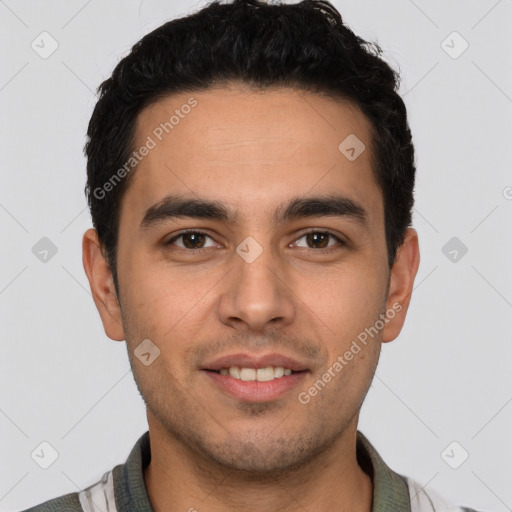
(250, 180)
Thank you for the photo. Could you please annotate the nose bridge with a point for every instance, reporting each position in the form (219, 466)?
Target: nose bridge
(257, 264)
(257, 293)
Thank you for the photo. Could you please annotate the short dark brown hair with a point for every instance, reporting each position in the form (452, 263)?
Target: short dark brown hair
(305, 46)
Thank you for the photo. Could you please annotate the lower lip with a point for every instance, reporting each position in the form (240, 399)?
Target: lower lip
(256, 391)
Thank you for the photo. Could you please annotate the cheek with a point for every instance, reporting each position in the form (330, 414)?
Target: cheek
(168, 306)
(160, 290)
(344, 300)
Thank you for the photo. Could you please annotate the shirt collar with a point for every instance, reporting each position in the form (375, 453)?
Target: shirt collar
(390, 490)
(129, 487)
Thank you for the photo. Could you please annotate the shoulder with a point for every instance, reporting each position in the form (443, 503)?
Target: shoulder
(98, 497)
(429, 501)
(66, 503)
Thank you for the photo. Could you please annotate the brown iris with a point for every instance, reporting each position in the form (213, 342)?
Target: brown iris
(195, 238)
(314, 238)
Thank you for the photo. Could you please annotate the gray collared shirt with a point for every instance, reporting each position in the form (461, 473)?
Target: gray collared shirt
(123, 489)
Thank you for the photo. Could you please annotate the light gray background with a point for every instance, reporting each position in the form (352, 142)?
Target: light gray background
(446, 378)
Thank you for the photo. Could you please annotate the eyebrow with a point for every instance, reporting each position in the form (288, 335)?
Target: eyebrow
(179, 206)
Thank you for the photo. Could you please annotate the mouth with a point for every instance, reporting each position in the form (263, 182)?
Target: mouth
(252, 378)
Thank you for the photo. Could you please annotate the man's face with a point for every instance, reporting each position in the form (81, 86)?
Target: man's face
(284, 291)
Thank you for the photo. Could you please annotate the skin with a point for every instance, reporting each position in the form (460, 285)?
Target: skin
(252, 151)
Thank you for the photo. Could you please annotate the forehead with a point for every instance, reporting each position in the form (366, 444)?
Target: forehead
(251, 149)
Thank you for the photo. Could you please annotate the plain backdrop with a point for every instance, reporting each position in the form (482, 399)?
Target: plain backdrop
(445, 380)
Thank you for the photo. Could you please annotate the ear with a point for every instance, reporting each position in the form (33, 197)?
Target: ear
(102, 285)
(401, 284)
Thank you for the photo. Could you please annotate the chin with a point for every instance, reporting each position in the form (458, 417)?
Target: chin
(265, 456)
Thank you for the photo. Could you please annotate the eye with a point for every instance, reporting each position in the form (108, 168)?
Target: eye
(320, 239)
(315, 239)
(191, 240)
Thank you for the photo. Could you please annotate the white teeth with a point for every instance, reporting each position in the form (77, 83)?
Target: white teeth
(260, 374)
(264, 374)
(278, 372)
(234, 371)
(247, 374)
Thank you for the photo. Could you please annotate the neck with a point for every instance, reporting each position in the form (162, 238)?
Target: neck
(179, 479)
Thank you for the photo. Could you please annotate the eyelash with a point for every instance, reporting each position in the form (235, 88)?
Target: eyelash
(324, 231)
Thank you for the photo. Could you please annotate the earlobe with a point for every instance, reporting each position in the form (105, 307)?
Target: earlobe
(102, 285)
(401, 285)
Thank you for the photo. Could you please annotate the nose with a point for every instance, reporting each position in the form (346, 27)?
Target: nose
(258, 294)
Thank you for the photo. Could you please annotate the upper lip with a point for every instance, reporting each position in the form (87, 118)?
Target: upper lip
(244, 360)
